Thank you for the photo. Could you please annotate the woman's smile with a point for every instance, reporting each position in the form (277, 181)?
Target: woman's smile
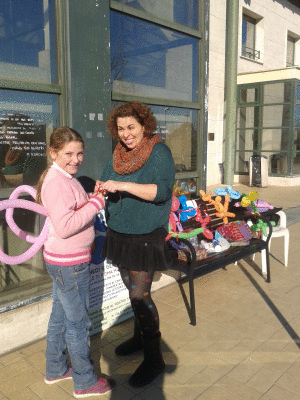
(130, 131)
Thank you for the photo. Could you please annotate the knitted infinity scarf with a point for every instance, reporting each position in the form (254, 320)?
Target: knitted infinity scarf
(125, 162)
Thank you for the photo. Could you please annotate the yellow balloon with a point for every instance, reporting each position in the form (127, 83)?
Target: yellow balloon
(252, 195)
(245, 201)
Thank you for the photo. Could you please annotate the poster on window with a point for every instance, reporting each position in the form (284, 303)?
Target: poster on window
(22, 150)
(109, 301)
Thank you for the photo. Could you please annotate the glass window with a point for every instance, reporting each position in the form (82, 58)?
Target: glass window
(296, 164)
(276, 116)
(278, 163)
(29, 278)
(245, 138)
(184, 12)
(298, 92)
(290, 51)
(277, 93)
(27, 120)
(296, 155)
(247, 117)
(178, 129)
(27, 40)
(187, 187)
(157, 62)
(242, 162)
(248, 38)
(249, 95)
(275, 139)
(297, 139)
(297, 115)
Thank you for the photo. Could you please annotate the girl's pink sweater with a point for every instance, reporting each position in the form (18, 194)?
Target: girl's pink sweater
(72, 214)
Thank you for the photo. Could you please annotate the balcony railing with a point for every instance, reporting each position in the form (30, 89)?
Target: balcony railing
(250, 53)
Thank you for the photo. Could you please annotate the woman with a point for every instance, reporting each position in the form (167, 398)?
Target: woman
(139, 182)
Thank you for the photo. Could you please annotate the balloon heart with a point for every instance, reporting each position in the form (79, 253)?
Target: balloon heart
(9, 205)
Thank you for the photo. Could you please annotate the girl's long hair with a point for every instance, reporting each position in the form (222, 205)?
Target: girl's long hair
(58, 139)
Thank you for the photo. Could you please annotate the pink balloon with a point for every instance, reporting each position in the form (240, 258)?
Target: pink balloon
(10, 211)
(9, 205)
(175, 204)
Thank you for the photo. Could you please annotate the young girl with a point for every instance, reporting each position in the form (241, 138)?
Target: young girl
(67, 252)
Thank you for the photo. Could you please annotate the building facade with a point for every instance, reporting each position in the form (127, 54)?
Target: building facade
(267, 123)
(67, 63)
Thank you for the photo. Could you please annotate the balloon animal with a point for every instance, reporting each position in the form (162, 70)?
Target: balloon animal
(185, 211)
(175, 228)
(9, 205)
(203, 222)
(222, 210)
(228, 190)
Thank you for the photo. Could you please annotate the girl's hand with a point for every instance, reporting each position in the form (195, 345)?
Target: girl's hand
(101, 196)
(114, 186)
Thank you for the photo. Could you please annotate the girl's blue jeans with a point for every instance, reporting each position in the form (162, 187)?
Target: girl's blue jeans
(68, 325)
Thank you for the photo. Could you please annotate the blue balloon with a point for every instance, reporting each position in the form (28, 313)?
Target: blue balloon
(234, 194)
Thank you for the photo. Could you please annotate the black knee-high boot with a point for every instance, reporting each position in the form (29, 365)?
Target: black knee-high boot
(133, 344)
(153, 363)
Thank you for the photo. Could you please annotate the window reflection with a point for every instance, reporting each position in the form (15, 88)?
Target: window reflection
(275, 139)
(156, 62)
(26, 120)
(249, 95)
(184, 12)
(242, 162)
(277, 162)
(177, 128)
(277, 92)
(27, 40)
(244, 139)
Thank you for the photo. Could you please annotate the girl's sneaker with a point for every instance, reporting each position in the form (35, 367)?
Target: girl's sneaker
(103, 386)
(50, 381)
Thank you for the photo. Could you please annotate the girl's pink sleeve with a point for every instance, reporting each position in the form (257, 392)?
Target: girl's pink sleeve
(61, 205)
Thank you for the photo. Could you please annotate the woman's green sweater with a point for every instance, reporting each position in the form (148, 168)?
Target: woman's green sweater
(132, 215)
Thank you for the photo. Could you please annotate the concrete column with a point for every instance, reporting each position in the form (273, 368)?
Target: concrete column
(232, 24)
(90, 91)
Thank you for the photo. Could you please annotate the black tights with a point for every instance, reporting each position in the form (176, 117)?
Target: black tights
(139, 284)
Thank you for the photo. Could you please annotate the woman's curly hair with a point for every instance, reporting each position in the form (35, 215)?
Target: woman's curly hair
(139, 111)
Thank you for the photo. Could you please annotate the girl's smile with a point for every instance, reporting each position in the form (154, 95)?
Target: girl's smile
(69, 158)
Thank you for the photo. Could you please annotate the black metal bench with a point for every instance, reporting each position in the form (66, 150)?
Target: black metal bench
(191, 266)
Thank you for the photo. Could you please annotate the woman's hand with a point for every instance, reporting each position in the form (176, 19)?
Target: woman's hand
(143, 191)
(114, 186)
(99, 188)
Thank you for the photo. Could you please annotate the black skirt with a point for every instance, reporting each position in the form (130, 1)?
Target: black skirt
(147, 252)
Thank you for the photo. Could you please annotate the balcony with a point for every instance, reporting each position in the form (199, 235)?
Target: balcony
(252, 54)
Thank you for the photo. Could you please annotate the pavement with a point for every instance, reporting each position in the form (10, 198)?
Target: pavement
(246, 344)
